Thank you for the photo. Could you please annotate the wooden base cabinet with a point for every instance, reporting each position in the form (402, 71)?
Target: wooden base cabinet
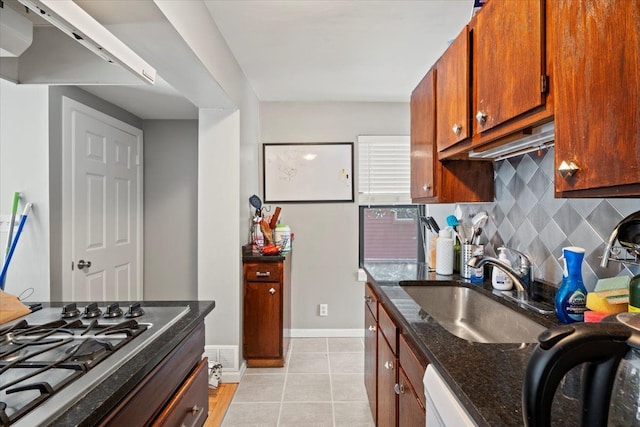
(371, 350)
(393, 371)
(266, 311)
(387, 369)
(174, 394)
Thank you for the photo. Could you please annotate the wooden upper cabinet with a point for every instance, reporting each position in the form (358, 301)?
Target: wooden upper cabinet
(452, 93)
(595, 51)
(509, 61)
(423, 117)
(434, 181)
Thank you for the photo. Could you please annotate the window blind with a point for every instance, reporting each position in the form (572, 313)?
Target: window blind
(384, 170)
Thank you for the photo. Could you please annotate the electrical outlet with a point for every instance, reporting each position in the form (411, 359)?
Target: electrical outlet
(324, 309)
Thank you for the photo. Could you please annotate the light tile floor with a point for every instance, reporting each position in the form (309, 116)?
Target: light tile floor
(321, 384)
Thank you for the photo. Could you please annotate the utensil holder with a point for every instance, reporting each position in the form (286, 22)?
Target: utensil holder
(466, 253)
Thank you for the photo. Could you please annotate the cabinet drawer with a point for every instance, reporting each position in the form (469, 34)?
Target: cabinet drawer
(388, 329)
(371, 300)
(190, 406)
(263, 272)
(413, 368)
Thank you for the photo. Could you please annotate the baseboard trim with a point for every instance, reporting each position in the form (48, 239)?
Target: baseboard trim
(228, 355)
(328, 333)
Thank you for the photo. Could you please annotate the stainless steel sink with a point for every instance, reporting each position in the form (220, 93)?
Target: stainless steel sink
(472, 316)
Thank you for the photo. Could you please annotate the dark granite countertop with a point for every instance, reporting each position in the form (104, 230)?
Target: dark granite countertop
(486, 378)
(99, 401)
(251, 254)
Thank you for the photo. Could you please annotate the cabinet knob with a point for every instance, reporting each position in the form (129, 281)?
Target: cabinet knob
(372, 328)
(399, 388)
(272, 291)
(195, 410)
(567, 169)
(426, 187)
(368, 299)
(457, 129)
(481, 118)
(388, 365)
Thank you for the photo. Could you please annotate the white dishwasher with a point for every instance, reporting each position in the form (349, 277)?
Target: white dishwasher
(443, 408)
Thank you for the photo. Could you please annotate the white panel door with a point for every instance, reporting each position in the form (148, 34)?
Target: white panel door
(105, 207)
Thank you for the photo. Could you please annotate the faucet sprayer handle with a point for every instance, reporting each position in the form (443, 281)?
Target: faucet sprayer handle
(525, 260)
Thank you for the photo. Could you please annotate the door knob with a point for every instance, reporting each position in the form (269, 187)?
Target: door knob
(83, 264)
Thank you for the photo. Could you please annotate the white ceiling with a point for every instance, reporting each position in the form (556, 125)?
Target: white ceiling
(295, 50)
(338, 50)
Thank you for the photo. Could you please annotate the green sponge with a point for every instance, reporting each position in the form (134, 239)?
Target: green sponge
(613, 287)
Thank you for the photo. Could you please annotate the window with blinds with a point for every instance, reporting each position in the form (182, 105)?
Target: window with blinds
(384, 170)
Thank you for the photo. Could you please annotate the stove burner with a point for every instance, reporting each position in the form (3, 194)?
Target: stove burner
(70, 310)
(88, 350)
(36, 361)
(92, 311)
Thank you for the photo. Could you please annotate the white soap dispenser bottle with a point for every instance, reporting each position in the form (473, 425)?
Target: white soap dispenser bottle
(499, 278)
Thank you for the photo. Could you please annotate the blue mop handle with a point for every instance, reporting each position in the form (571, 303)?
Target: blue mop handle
(23, 219)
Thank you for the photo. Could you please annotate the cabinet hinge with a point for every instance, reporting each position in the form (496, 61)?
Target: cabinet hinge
(544, 83)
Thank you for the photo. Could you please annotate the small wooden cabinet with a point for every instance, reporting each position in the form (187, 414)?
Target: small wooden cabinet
(431, 179)
(509, 61)
(452, 93)
(595, 52)
(266, 310)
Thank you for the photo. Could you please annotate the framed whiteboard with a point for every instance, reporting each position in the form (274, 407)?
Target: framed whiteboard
(312, 173)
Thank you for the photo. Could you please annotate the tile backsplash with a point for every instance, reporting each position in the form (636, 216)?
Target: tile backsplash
(526, 216)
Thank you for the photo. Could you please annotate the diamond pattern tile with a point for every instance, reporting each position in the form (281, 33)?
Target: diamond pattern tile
(527, 216)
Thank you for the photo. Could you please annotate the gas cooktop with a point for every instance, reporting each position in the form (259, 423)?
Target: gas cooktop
(52, 357)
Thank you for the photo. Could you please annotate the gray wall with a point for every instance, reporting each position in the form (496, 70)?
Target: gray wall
(526, 216)
(170, 209)
(325, 250)
(55, 166)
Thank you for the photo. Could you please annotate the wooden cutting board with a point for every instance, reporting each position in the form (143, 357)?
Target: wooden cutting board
(11, 307)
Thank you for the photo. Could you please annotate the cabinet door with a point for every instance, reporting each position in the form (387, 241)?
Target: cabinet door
(370, 359)
(387, 378)
(423, 116)
(410, 410)
(262, 320)
(452, 93)
(595, 55)
(509, 57)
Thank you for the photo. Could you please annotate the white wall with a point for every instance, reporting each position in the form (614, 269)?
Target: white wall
(325, 250)
(24, 166)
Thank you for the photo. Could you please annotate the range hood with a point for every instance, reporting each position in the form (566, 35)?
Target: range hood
(16, 33)
(541, 137)
(53, 58)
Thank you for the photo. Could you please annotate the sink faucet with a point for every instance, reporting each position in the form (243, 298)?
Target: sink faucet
(522, 278)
